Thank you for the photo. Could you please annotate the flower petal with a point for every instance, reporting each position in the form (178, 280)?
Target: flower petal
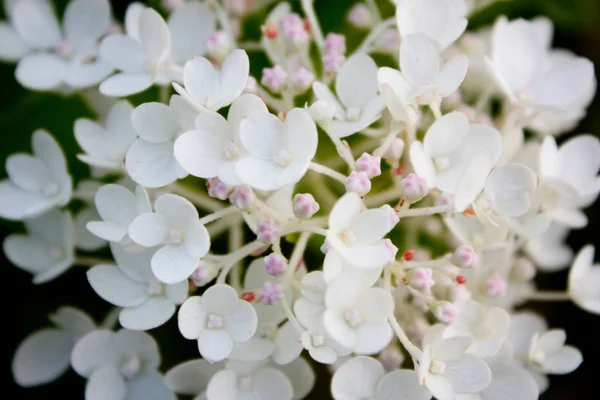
(110, 283)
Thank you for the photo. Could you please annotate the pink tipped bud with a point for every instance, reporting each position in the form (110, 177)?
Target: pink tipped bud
(275, 264)
(360, 16)
(251, 85)
(268, 231)
(369, 164)
(523, 270)
(421, 278)
(335, 43)
(444, 311)
(391, 214)
(389, 40)
(358, 182)
(496, 286)
(322, 111)
(459, 293)
(218, 189)
(391, 358)
(394, 150)
(236, 6)
(305, 205)
(270, 293)
(332, 62)
(294, 30)
(218, 45)
(392, 250)
(302, 80)
(274, 78)
(414, 188)
(465, 257)
(205, 272)
(242, 197)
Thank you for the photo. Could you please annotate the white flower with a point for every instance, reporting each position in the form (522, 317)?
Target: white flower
(105, 145)
(45, 355)
(176, 227)
(190, 25)
(120, 365)
(488, 327)
(47, 250)
(321, 347)
(36, 182)
(358, 235)
(279, 153)
(249, 380)
(356, 315)
(118, 207)
(447, 370)
(191, 377)
(311, 304)
(206, 88)
(364, 378)
(423, 80)
(53, 56)
(441, 20)
(584, 281)
(147, 303)
(359, 104)
(217, 320)
(549, 250)
(213, 148)
(335, 264)
(84, 239)
(150, 160)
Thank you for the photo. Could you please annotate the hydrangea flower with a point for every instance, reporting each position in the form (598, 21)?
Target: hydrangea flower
(583, 281)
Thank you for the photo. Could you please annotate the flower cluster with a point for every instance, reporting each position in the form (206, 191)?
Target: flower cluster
(325, 174)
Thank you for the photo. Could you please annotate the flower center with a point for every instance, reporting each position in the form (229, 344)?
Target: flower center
(353, 318)
(283, 158)
(131, 367)
(353, 114)
(268, 331)
(437, 367)
(50, 189)
(155, 287)
(232, 151)
(214, 321)
(317, 340)
(245, 383)
(56, 253)
(175, 236)
(348, 236)
(64, 48)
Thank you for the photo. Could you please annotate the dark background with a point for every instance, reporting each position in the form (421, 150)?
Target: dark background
(26, 305)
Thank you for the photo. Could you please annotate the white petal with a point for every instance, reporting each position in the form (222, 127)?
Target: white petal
(106, 383)
(42, 357)
(177, 293)
(300, 375)
(446, 134)
(94, 350)
(401, 384)
(173, 263)
(116, 204)
(240, 109)
(126, 84)
(255, 349)
(422, 163)
(302, 136)
(223, 299)
(419, 60)
(191, 318)
(12, 46)
(153, 165)
(241, 322)
(154, 35)
(223, 386)
(86, 21)
(154, 122)
(511, 383)
(201, 81)
(191, 377)
(357, 378)
(27, 172)
(472, 181)
(288, 346)
(452, 75)
(197, 240)
(149, 386)
(468, 374)
(271, 384)
(372, 338)
(565, 361)
(26, 252)
(152, 313)
(512, 186)
(179, 211)
(72, 320)
(338, 329)
(376, 304)
(124, 53)
(233, 77)
(115, 287)
(149, 229)
(356, 81)
(190, 26)
(36, 23)
(345, 291)
(344, 210)
(260, 174)
(41, 71)
(261, 133)
(371, 226)
(215, 344)
(322, 92)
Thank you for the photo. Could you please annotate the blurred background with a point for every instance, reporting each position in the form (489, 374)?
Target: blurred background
(577, 27)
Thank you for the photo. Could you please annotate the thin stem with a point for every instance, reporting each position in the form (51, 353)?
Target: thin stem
(315, 27)
(435, 109)
(86, 261)
(251, 46)
(549, 296)
(224, 224)
(322, 169)
(297, 227)
(223, 212)
(236, 240)
(373, 200)
(440, 262)
(343, 150)
(269, 212)
(230, 260)
(374, 9)
(365, 46)
(271, 101)
(223, 19)
(199, 199)
(163, 94)
(419, 212)
(297, 253)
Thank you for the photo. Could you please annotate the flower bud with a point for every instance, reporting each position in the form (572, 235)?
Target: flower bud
(335, 43)
(360, 16)
(394, 150)
(270, 293)
(218, 45)
(391, 358)
(322, 111)
(237, 7)
(523, 270)
(251, 85)
(459, 293)
(242, 197)
(294, 30)
(275, 264)
(421, 278)
(302, 80)
(205, 272)
(496, 286)
(218, 189)
(465, 257)
(305, 205)
(332, 62)
(414, 188)
(369, 164)
(391, 214)
(358, 182)
(274, 78)
(268, 231)
(389, 41)
(444, 311)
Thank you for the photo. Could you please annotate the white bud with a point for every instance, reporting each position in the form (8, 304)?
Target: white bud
(444, 311)
(322, 111)
(524, 270)
(360, 16)
(205, 272)
(394, 150)
(242, 197)
(218, 45)
(369, 164)
(358, 182)
(414, 188)
(459, 293)
(391, 358)
(421, 278)
(305, 205)
(465, 257)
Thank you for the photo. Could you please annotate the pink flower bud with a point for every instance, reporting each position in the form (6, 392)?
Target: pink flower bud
(270, 293)
(268, 231)
(444, 311)
(293, 30)
(242, 197)
(369, 164)
(275, 264)
(218, 45)
(335, 43)
(389, 40)
(205, 272)
(421, 278)
(394, 150)
(465, 257)
(274, 78)
(524, 270)
(251, 85)
(218, 189)
(496, 286)
(391, 358)
(389, 211)
(414, 188)
(358, 182)
(302, 79)
(332, 62)
(360, 16)
(459, 293)
(322, 111)
(305, 205)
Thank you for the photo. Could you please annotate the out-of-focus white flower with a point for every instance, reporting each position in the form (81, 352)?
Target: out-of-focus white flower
(359, 104)
(147, 303)
(45, 355)
(584, 281)
(364, 378)
(279, 153)
(36, 182)
(206, 88)
(48, 248)
(217, 319)
(311, 304)
(175, 226)
(191, 377)
(120, 365)
(214, 148)
(443, 21)
(105, 145)
(423, 80)
(321, 347)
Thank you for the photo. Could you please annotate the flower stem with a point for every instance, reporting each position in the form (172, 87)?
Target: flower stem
(223, 212)
(236, 239)
(297, 253)
(198, 198)
(549, 296)
(315, 27)
(231, 259)
(365, 46)
(419, 212)
(223, 19)
(322, 169)
(86, 261)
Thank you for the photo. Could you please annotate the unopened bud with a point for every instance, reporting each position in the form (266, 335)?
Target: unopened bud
(205, 272)
(360, 16)
(389, 40)
(523, 270)
(369, 164)
(459, 293)
(465, 257)
(394, 151)
(444, 311)
(496, 286)
(268, 231)
(236, 6)
(218, 189)
(391, 358)
(305, 205)
(421, 278)
(270, 293)
(302, 79)
(414, 188)
(274, 78)
(218, 45)
(335, 43)
(332, 62)
(322, 111)
(275, 264)
(358, 182)
(242, 197)
(251, 85)
(294, 30)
